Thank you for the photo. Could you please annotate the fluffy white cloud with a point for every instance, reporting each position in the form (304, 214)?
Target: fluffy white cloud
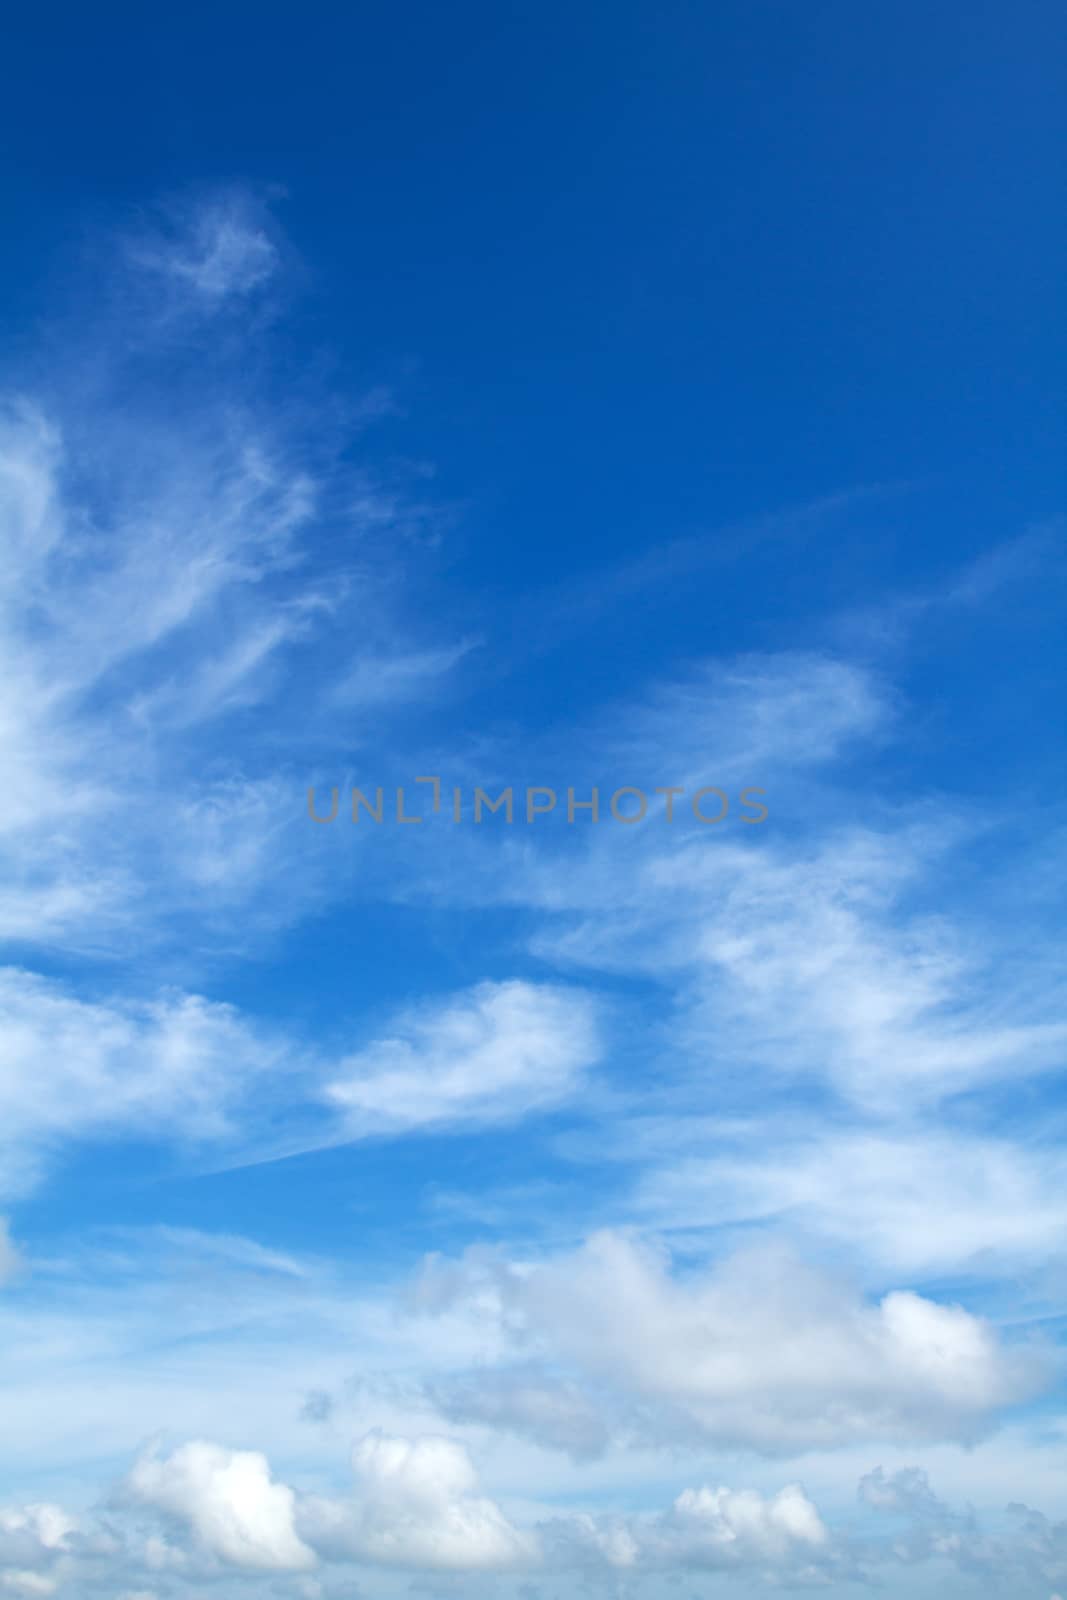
(34, 1544)
(417, 1507)
(229, 1500)
(417, 1504)
(759, 1351)
(907, 1491)
(717, 1529)
(488, 1056)
(724, 1526)
(32, 1528)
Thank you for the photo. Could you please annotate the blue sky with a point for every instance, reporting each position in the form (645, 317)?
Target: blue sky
(533, 399)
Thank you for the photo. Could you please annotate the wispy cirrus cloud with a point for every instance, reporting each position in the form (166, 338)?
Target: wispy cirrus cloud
(157, 522)
(214, 250)
(497, 1053)
(74, 1069)
(972, 1204)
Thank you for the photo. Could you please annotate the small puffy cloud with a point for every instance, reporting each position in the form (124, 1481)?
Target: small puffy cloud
(26, 1531)
(416, 1504)
(488, 1056)
(230, 1502)
(720, 1529)
(907, 1491)
(716, 1527)
(34, 1541)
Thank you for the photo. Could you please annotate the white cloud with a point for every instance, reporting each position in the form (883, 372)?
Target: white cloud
(34, 1527)
(716, 1529)
(380, 680)
(153, 606)
(759, 1352)
(34, 1543)
(492, 1055)
(216, 250)
(808, 962)
(417, 1507)
(96, 614)
(906, 1491)
(725, 1526)
(71, 1068)
(753, 718)
(417, 1504)
(155, 527)
(557, 1412)
(182, 1067)
(912, 1202)
(229, 1500)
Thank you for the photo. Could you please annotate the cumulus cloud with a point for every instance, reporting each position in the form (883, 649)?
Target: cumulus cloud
(1024, 1554)
(417, 1504)
(489, 1056)
(35, 1541)
(26, 1530)
(724, 1527)
(905, 1491)
(760, 1351)
(716, 1529)
(229, 1500)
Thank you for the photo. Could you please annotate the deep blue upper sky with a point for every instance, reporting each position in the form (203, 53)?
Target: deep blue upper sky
(642, 259)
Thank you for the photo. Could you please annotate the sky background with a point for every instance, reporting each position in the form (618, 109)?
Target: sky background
(581, 397)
